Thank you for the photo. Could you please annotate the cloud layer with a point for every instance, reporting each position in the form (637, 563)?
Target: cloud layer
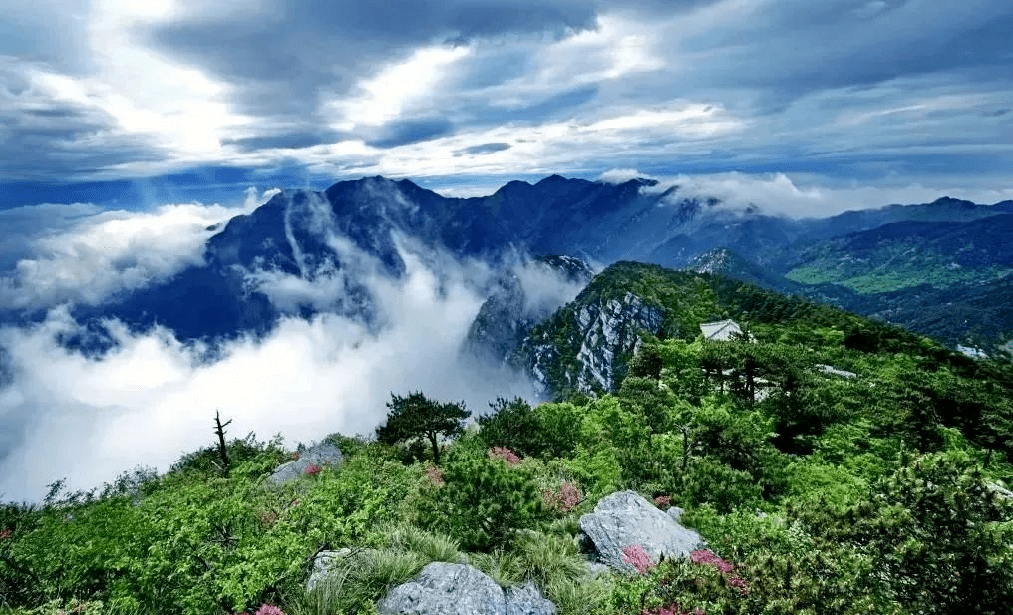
(875, 91)
(149, 399)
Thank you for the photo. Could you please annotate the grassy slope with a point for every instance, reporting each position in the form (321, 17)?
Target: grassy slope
(861, 481)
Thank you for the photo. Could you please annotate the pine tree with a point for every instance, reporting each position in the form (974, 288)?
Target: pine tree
(416, 417)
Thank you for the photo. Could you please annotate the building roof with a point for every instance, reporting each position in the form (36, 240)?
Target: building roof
(721, 330)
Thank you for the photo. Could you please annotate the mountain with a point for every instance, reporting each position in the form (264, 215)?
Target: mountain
(304, 252)
(903, 254)
(586, 345)
(725, 262)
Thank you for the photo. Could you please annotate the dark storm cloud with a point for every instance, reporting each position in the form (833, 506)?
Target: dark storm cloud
(302, 45)
(41, 138)
(295, 140)
(485, 148)
(397, 134)
(784, 49)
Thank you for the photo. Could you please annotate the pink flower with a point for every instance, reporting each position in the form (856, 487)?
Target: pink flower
(507, 455)
(707, 557)
(663, 501)
(635, 555)
(312, 469)
(565, 500)
(269, 609)
(435, 476)
(5, 534)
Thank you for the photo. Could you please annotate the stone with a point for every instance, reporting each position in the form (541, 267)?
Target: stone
(627, 518)
(324, 562)
(461, 589)
(324, 454)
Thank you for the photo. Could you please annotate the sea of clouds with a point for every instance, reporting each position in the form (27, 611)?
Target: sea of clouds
(152, 398)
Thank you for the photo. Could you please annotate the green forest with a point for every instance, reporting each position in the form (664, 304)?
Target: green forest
(833, 465)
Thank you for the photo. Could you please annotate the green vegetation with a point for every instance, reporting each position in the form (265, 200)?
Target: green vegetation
(816, 492)
(416, 418)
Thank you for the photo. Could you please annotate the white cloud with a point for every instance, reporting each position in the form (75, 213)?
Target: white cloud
(545, 289)
(110, 251)
(808, 196)
(620, 176)
(385, 96)
(150, 399)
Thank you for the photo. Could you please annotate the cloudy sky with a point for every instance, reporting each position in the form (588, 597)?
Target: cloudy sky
(135, 103)
(128, 130)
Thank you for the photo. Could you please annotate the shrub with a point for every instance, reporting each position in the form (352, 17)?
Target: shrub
(507, 455)
(484, 501)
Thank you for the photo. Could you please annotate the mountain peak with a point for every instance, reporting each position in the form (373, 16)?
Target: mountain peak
(946, 201)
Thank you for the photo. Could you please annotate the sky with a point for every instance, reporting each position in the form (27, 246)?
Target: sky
(130, 131)
(135, 104)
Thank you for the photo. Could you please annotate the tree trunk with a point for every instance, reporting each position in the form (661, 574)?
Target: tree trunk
(436, 449)
(220, 430)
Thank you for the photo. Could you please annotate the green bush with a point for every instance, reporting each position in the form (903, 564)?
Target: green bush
(484, 502)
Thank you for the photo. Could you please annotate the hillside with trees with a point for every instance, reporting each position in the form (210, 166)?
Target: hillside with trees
(832, 464)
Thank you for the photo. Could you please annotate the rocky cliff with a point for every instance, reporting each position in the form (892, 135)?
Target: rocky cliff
(585, 346)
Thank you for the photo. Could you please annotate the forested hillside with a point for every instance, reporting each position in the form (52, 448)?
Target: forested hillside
(832, 464)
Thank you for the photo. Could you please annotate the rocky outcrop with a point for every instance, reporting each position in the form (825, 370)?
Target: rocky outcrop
(523, 296)
(322, 455)
(626, 518)
(600, 337)
(460, 589)
(325, 562)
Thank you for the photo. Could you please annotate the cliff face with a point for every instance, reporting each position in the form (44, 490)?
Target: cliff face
(586, 346)
(523, 297)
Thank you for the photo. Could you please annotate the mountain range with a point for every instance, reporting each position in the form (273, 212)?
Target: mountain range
(928, 267)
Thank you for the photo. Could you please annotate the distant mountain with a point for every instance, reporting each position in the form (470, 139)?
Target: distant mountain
(722, 261)
(903, 254)
(304, 252)
(333, 237)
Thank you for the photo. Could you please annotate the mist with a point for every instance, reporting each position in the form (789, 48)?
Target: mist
(798, 195)
(151, 398)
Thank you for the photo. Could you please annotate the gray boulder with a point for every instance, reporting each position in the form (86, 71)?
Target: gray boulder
(626, 518)
(325, 562)
(460, 589)
(323, 454)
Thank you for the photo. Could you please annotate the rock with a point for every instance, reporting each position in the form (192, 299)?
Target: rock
(626, 518)
(603, 333)
(323, 454)
(527, 600)
(460, 589)
(523, 296)
(324, 562)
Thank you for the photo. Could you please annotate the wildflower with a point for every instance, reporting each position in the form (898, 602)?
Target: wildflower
(635, 555)
(312, 469)
(435, 476)
(565, 500)
(663, 501)
(708, 558)
(295, 456)
(5, 534)
(507, 455)
(268, 518)
(269, 609)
